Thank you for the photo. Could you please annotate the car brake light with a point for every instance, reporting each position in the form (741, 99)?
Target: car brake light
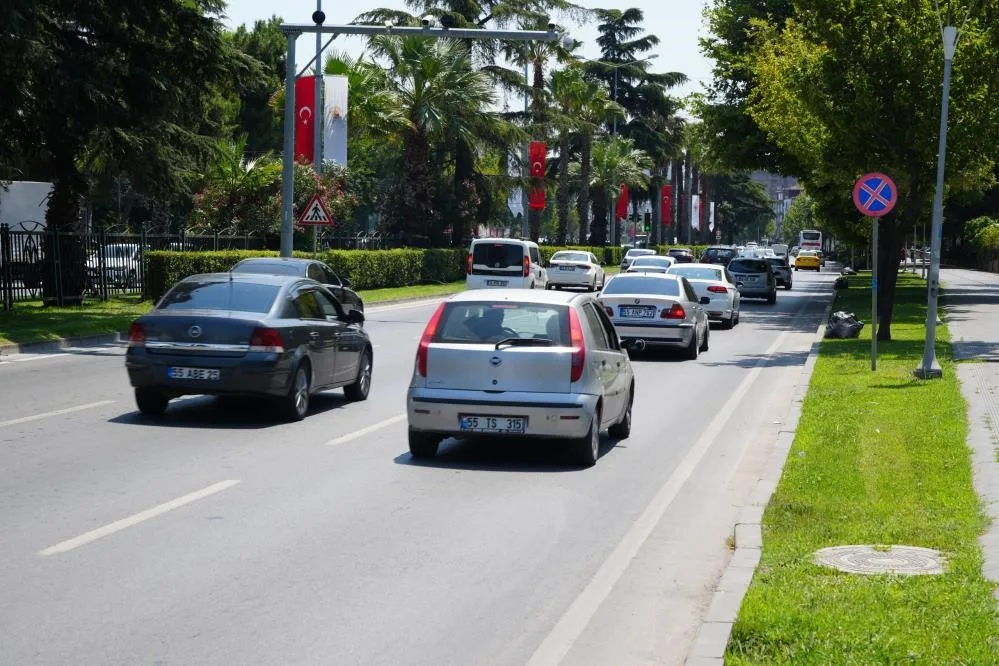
(266, 340)
(468, 264)
(675, 312)
(527, 266)
(136, 335)
(428, 333)
(578, 347)
(717, 289)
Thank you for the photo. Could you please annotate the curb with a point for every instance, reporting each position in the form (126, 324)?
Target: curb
(716, 628)
(61, 343)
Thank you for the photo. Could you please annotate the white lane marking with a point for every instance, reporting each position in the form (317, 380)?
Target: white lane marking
(58, 412)
(366, 431)
(571, 625)
(137, 518)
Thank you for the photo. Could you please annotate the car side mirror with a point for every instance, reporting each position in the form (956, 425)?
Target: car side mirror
(738, 285)
(705, 300)
(355, 317)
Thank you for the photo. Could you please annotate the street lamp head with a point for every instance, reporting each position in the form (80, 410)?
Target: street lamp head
(551, 26)
(319, 17)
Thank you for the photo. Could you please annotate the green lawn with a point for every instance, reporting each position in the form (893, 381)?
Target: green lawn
(879, 458)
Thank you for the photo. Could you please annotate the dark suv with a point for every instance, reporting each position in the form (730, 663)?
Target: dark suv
(754, 278)
(719, 254)
(682, 255)
(782, 270)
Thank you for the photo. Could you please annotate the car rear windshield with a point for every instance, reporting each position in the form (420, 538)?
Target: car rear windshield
(719, 253)
(487, 322)
(269, 267)
(640, 253)
(651, 261)
(748, 266)
(226, 295)
(777, 261)
(640, 284)
(498, 255)
(697, 273)
(571, 256)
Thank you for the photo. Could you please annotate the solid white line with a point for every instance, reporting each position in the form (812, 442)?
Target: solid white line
(58, 412)
(135, 519)
(366, 431)
(562, 637)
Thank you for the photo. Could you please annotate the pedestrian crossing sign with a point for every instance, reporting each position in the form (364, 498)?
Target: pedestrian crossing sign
(316, 213)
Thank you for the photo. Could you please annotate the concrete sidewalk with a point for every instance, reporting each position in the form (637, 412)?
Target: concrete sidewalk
(971, 311)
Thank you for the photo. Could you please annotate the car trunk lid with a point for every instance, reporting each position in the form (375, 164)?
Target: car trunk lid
(199, 333)
(497, 368)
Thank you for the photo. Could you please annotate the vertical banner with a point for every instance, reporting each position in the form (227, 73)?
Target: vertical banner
(335, 119)
(711, 216)
(305, 117)
(538, 154)
(537, 198)
(515, 202)
(666, 198)
(622, 202)
(695, 212)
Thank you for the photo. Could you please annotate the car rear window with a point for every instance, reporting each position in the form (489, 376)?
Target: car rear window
(777, 261)
(640, 253)
(269, 267)
(226, 295)
(748, 266)
(571, 256)
(697, 273)
(487, 322)
(719, 253)
(652, 261)
(498, 255)
(641, 284)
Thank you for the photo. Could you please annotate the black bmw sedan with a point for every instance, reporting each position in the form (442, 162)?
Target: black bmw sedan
(248, 334)
(310, 268)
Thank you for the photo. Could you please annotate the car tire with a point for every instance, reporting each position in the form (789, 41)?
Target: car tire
(295, 405)
(796, 268)
(586, 449)
(151, 402)
(693, 348)
(531, 286)
(359, 390)
(622, 429)
(728, 324)
(787, 286)
(772, 298)
(707, 336)
(423, 445)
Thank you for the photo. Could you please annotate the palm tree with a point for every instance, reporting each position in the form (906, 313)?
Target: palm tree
(240, 187)
(615, 161)
(375, 106)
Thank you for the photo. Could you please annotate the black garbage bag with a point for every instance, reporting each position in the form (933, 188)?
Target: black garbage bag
(841, 282)
(848, 271)
(843, 325)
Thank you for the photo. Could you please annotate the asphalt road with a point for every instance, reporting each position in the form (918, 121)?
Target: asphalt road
(219, 536)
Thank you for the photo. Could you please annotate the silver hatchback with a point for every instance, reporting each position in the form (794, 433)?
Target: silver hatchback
(514, 363)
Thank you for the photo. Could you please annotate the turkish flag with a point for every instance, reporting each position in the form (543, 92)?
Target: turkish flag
(666, 197)
(538, 155)
(536, 199)
(305, 118)
(622, 202)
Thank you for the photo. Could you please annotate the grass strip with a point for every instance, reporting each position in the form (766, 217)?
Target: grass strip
(879, 458)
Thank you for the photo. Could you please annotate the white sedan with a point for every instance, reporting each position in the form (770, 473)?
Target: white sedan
(715, 283)
(574, 268)
(651, 264)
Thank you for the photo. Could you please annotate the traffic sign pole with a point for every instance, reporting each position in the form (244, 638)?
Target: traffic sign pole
(875, 195)
(874, 299)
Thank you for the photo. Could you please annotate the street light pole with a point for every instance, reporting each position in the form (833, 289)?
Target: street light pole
(930, 367)
(288, 159)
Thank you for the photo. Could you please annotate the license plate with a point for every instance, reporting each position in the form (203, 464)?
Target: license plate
(567, 268)
(497, 283)
(644, 312)
(493, 424)
(206, 374)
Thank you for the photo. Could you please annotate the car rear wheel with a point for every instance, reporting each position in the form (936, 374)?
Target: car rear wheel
(622, 429)
(151, 402)
(586, 449)
(693, 348)
(787, 286)
(295, 405)
(423, 444)
(707, 334)
(362, 386)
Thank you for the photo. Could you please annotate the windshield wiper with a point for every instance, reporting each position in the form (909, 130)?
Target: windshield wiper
(524, 342)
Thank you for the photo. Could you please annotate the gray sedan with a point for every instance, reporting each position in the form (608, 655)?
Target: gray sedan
(516, 363)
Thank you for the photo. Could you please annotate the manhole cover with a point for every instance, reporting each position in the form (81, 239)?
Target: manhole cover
(899, 560)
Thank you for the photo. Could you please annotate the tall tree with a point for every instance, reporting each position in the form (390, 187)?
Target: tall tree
(615, 161)
(258, 120)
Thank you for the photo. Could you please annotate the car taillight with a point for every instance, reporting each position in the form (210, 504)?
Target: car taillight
(136, 335)
(527, 266)
(609, 310)
(424, 348)
(266, 340)
(468, 264)
(675, 312)
(578, 347)
(717, 289)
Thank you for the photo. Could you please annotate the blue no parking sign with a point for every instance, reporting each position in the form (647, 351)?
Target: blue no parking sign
(875, 195)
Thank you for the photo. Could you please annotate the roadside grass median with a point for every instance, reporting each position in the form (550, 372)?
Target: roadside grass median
(879, 458)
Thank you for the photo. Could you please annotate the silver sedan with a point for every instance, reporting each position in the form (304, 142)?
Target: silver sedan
(657, 310)
(515, 363)
(715, 283)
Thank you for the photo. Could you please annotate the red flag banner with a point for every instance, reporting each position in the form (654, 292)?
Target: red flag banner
(666, 198)
(305, 117)
(622, 202)
(538, 155)
(536, 199)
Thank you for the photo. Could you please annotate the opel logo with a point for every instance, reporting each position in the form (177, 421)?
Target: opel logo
(194, 331)
(495, 360)
(637, 301)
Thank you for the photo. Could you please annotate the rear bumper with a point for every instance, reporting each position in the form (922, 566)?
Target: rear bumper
(655, 334)
(550, 415)
(252, 374)
(755, 291)
(516, 281)
(571, 278)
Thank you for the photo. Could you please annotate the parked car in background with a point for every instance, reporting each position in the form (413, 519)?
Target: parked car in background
(651, 264)
(715, 283)
(504, 263)
(632, 254)
(283, 337)
(807, 260)
(513, 364)
(309, 268)
(754, 278)
(682, 255)
(121, 264)
(782, 270)
(719, 254)
(657, 310)
(575, 268)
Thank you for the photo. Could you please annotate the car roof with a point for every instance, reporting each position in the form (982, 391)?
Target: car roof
(277, 260)
(653, 257)
(511, 241)
(535, 296)
(699, 265)
(658, 276)
(254, 278)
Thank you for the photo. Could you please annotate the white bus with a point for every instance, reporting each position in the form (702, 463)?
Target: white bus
(810, 239)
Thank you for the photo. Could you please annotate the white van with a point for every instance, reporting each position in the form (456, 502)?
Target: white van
(780, 249)
(508, 263)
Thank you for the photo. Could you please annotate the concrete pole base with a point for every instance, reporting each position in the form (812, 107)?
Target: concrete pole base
(933, 372)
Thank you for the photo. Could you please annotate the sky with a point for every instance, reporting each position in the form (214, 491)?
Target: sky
(677, 23)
